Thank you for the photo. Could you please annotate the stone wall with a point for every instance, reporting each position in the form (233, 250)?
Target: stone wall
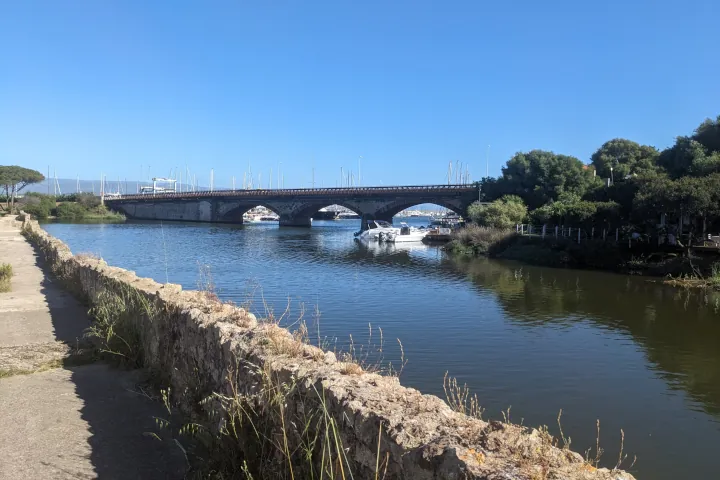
(209, 353)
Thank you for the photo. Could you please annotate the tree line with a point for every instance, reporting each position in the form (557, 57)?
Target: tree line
(625, 184)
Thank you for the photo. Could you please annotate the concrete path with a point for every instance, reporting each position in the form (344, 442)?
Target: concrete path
(63, 422)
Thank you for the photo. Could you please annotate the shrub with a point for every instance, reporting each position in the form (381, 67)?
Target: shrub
(478, 240)
(38, 205)
(5, 276)
(503, 213)
(71, 211)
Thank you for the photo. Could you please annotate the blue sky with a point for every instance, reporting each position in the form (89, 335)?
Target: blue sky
(107, 86)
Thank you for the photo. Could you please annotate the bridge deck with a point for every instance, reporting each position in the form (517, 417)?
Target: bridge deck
(306, 192)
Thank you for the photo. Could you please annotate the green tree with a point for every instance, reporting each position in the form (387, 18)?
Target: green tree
(14, 178)
(625, 157)
(540, 176)
(696, 155)
(505, 212)
(708, 134)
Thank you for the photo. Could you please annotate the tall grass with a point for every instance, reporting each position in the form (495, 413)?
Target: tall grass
(477, 240)
(6, 273)
(280, 431)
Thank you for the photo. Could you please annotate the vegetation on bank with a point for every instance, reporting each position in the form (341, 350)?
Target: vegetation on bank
(669, 198)
(625, 185)
(6, 273)
(83, 206)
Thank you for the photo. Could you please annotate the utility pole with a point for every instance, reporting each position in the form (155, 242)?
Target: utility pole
(342, 178)
(313, 177)
(212, 179)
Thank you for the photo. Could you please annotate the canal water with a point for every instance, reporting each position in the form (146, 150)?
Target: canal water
(634, 354)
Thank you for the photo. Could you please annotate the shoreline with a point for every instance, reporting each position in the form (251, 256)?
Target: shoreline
(193, 338)
(667, 268)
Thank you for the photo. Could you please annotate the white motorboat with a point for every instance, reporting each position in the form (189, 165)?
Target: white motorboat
(377, 231)
(406, 234)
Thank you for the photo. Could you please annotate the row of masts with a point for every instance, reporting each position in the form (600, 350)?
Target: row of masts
(183, 180)
(457, 175)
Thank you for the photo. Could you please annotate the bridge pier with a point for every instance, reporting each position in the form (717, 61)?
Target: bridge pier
(295, 221)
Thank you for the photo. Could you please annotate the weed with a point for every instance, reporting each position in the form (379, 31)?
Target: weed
(459, 398)
(6, 273)
(115, 312)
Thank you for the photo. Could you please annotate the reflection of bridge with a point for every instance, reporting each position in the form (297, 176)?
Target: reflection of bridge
(294, 206)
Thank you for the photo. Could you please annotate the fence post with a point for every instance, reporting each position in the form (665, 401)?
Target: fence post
(530, 229)
(522, 229)
(544, 228)
(556, 229)
(579, 234)
(517, 228)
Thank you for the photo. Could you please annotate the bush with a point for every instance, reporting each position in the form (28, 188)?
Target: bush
(71, 211)
(503, 213)
(477, 240)
(5, 276)
(38, 205)
(88, 200)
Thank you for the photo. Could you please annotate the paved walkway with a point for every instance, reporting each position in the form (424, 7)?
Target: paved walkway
(65, 422)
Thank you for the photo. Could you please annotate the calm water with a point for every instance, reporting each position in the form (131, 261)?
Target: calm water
(634, 354)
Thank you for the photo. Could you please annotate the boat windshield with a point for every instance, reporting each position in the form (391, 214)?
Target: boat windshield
(383, 224)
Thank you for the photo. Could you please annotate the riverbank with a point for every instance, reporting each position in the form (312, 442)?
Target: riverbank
(670, 268)
(218, 359)
(65, 414)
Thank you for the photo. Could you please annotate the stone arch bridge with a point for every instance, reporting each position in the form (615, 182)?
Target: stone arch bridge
(295, 207)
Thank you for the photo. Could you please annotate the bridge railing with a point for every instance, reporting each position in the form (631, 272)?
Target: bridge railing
(334, 191)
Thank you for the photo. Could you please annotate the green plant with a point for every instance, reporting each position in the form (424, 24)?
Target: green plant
(504, 213)
(71, 211)
(6, 273)
(114, 313)
(477, 240)
(714, 278)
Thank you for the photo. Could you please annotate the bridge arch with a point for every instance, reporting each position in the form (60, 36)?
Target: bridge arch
(312, 209)
(235, 214)
(396, 207)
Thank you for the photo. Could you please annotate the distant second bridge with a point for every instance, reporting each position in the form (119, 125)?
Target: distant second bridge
(295, 207)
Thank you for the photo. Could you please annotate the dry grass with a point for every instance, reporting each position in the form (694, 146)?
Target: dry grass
(6, 273)
(536, 463)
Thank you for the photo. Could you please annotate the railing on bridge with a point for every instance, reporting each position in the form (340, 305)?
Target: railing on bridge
(291, 192)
